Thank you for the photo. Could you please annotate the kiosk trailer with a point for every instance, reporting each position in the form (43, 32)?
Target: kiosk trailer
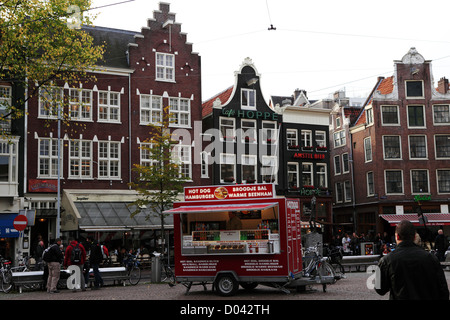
(231, 235)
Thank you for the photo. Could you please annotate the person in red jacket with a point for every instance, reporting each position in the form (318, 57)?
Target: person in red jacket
(75, 255)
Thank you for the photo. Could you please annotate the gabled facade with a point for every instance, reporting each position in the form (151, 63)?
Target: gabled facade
(400, 145)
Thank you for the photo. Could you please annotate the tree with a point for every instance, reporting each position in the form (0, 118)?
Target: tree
(159, 181)
(41, 43)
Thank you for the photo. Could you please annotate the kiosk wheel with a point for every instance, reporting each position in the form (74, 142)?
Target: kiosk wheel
(226, 285)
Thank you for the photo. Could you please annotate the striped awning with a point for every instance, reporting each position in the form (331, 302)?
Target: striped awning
(434, 219)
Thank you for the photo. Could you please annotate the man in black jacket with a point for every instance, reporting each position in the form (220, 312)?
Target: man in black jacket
(54, 266)
(95, 258)
(410, 272)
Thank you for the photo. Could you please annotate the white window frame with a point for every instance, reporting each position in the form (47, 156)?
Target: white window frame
(180, 112)
(401, 179)
(424, 126)
(369, 116)
(9, 150)
(447, 116)
(165, 67)
(82, 157)
(436, 147)
(269, 164)
(5, 97)
(80, 104)
(345, 163)
(337, 165)
(339, 192)
(370, 192)
(339, 139)
(269, 131)
(250, 96)
(50, 99)
(51, 158)
(426, 147)
(181, 154)
(321, 142)
(204, 156)
(368, 156)
(295, 172)
(322, 173)
(427, 191)
(151, 109)
(400, 156)
(347, 191)
(110, 102)
(306, 173)
(292, 139)
(390, 124)
(108, 158)
(249, 131)
(414, 97)
(438, 179)
(228, 159)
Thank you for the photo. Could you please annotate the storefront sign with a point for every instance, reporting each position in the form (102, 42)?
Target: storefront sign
(314, 156)
(35, 185)
(422, 198)
(229, 192)
(249, 114)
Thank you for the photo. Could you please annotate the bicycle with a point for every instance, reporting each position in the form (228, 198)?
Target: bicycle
(133, 268)
(6, 275)
(316, 266)
(335, 255)
(168, 272)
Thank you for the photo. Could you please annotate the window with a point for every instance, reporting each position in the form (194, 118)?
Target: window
(417, 147)
(204, 165)
(151, 109)
(370, 184)
(48, 158)
(369, 116)
(248, 168)
(5, 102)
(338, 122)
(368, 149)
(269, 132)
(8, 161)
(269, 168)
(419, 181)
(441, 114)
(322, 175)
(443, 177)
(339, 193)
(306, 138)
(389, 115)
(414, 89)
(108, 106)
(80, 159)
(50, 99)
(108, 160)
(345, 163)
(227, 167)
(339, 139)
(165, 67)
(416, 116)
(80, 104)
(442, 146)
(394, 181)
(182, 156)
(227, 129)
(180, 112)
(292, 139)
(146, 155)
(321, 141)
(292, 168)
(392, 148)
(248, 99)
(337, 165)
(347, 191)
(307, 174)
(248, 131)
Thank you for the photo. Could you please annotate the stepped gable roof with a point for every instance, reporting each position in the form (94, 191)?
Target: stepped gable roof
(207, 105)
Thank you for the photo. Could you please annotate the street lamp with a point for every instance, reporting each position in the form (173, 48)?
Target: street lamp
(312, 216)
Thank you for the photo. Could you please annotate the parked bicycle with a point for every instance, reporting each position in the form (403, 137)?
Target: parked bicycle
(335, 256)
(133, 268)
(317, 267)
(6, 275)
(168, 272)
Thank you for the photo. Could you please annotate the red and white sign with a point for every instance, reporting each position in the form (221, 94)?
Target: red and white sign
(232, 192)
(20, 222)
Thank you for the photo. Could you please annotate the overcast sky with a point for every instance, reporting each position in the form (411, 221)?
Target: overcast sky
(320, 46)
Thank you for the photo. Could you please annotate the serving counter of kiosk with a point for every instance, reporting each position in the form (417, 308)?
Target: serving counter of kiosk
(237, 235)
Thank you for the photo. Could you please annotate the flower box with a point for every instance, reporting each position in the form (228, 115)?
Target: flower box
(293, 147)
(228, 179)
(322, 148)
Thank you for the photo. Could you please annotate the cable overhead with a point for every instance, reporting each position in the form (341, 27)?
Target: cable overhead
(270, 19)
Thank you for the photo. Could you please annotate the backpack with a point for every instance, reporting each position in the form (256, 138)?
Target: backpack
(104, 252)
(75, 258)
(47, 255)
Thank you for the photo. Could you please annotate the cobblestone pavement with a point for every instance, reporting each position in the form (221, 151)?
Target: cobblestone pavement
(354, 287)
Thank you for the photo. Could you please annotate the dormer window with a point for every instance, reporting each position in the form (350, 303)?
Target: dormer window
(165, 67)
(414, 89)
(248, 99)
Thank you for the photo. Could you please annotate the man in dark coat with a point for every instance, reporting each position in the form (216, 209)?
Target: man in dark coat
(95, 258)
(440, 245)
(410, 272)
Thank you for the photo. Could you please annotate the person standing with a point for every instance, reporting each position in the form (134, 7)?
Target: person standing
(38, 255)
(75, 255)
(54, 266)
(95, 258)
(410, 272)
(440, 245)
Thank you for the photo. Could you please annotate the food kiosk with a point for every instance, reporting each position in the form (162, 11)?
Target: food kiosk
(231, 235)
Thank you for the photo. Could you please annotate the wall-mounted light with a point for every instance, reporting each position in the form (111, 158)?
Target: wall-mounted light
(252, 81)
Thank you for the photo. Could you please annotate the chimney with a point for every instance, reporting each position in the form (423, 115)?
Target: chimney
(443, 85)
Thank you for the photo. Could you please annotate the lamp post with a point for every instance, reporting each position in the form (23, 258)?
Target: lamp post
(58, 197)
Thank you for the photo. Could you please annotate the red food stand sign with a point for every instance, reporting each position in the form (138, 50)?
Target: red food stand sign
(233, 192)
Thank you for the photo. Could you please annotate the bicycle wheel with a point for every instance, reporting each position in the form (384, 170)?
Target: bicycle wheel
(7, 282)
(135, 275)
(170, 275)
(327, 270)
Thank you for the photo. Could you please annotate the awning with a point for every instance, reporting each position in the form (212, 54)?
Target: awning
(116, 216)
(434, 219)
(222, 208)
(7, 229)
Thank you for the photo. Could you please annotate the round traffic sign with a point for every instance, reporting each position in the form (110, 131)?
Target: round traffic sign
(20, 222)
